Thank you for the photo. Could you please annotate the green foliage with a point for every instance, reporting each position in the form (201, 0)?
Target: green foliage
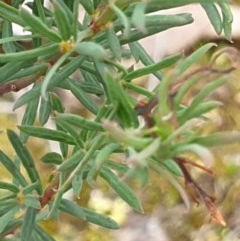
(62, 46)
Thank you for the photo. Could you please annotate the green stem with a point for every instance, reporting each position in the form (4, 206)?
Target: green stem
(79, 169)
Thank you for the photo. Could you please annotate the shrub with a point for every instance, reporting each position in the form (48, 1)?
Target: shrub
(58, 47)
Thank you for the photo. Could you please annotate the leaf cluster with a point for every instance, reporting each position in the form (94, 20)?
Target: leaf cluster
(61, 46)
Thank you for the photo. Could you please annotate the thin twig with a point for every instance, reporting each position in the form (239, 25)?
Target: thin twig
(18, 84)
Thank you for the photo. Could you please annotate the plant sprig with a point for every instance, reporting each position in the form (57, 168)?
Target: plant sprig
(58, 48)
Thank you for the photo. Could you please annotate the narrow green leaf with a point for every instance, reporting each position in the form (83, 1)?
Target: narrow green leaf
(63, 145)
(89, 215)
(7, 200)
(12, 169)
(214, 16)
(7, 217)
(199, 110)
(25, 158)
(227, 27)
(88, 67)
(38, 26)
(28, 224)
(101, 158)
(75, 23)
(29, 54)
(186, 63)
(88, 6)
(91, 176)
(183, 89)
(119, 67)
(62, 19)
(138, 16)
(77, 182)
(26, 37)
(8, 47)
(172, 167)
(139, 53)
(56, 103)
(100, 219)
(43, 234)
(38, 4)
(72, 209)
(101, 71)
(69, 8)
(7, 197)
(80, 122)
(206, 90)
(139, 90)
(84, 98)
(227, 20)
(8, 186)
(49, 76)
(10, 13)
(155, 5)
(52, 158)
(7, 204)
(71, 161)
(32, 70)
(117, 95)
(123, 18)
(120, 168)
(29, 117)
(10, 69)
(185, 130)
(28, 97)
(35, 237)
(103, 154)
(114, 44)
(65, 72)
(121, 189)
(93, 146)
(64, 125)
(45, 111)
(91, 87)
(17, 162)
(156, 24)
(48, 134)
(219, 139)
(153, 68)
(106, 112)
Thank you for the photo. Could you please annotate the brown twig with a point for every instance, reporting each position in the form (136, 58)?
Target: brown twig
(184, 160)
(50, 191)
(15, 85)
(18, 84)
(144, 109)
(197, 193)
